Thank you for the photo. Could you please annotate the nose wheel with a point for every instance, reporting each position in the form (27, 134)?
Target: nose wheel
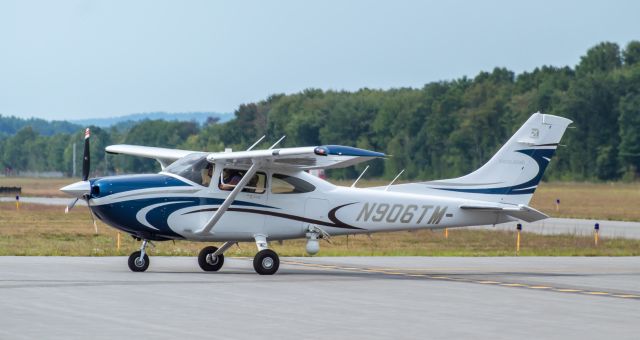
(139, 260)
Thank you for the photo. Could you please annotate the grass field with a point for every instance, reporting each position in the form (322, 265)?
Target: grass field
(46, 230)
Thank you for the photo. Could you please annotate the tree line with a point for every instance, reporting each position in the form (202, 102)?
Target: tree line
(441, 130)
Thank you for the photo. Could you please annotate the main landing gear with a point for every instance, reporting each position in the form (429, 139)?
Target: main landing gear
(211, 259)
(266, 261)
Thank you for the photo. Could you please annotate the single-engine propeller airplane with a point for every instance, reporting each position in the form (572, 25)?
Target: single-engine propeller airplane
(267, 195)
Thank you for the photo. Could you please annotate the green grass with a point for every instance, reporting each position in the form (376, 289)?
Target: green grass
(47, 231)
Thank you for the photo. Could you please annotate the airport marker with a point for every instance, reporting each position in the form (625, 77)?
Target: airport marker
(518, 228)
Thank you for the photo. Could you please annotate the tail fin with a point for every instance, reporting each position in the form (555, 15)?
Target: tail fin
(513, 173)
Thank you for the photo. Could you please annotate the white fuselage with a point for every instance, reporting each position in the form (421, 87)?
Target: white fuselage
(334, 209)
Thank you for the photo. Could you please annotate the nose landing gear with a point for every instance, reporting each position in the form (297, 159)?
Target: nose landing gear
(139, 260)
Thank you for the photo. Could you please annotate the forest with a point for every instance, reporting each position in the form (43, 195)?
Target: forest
(442, 130)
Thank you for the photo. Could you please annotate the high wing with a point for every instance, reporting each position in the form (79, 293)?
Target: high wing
(163, 155)
(302, 158)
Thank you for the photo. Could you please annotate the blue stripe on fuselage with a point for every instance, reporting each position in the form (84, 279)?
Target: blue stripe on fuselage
(122, 215)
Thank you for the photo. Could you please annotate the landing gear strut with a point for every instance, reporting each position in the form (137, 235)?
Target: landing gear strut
(266, 261)
(139, 260)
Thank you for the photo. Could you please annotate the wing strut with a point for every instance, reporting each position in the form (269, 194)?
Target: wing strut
(229, 200)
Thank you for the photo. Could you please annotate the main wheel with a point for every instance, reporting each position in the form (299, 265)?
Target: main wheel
(210, 263)
(137, 263)
(266, 262)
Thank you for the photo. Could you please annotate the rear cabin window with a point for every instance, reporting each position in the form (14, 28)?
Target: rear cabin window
(284, 184)
(229, 178)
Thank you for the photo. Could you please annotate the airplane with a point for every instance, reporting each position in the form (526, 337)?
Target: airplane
(267, 195)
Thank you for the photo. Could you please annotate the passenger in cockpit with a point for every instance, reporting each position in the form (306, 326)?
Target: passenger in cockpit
(230, 178)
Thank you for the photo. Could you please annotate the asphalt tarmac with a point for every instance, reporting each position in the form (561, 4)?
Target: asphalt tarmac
(322, 298)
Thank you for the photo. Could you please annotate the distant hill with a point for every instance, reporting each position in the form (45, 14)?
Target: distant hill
(199, 117)
(9, 125)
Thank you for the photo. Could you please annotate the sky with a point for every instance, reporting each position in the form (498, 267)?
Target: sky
(70, 59)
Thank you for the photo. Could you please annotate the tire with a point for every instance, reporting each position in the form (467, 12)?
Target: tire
(135, 263)
(266, 262)
(207, 263)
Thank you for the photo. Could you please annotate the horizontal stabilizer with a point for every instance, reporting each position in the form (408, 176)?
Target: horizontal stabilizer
(522, 212)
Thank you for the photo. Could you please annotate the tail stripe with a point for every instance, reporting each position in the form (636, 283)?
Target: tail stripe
(542, 158)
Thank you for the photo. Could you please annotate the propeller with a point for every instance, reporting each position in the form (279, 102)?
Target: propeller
(82, 189)
(87, 156)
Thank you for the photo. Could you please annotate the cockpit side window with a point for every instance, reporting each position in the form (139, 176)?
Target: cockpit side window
(229, 178)
(284, 184)
(194, 167)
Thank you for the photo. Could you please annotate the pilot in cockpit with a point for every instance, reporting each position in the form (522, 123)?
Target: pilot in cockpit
(206, 173)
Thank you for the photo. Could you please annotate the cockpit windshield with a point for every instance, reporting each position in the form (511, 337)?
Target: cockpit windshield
(193, 167)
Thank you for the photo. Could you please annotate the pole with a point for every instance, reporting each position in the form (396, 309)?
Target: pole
(18, 202)
(74, 160)
(446, 233)
(557, 204)
(519, 228)
(118, 242)
(596, 233)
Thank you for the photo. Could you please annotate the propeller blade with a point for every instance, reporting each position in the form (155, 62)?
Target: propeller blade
(70, 205)
(87, 157)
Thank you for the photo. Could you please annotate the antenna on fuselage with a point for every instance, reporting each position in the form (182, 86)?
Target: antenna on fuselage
(357, 179)
(389, 185)
(256, 143)
(276, 143)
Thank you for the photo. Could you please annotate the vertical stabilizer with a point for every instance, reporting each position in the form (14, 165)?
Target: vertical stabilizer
(513, 173)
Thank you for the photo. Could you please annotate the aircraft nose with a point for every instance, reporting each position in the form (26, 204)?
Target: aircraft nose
(77, 189)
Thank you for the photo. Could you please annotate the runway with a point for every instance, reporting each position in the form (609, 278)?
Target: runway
(322, 298)
(574, 226)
